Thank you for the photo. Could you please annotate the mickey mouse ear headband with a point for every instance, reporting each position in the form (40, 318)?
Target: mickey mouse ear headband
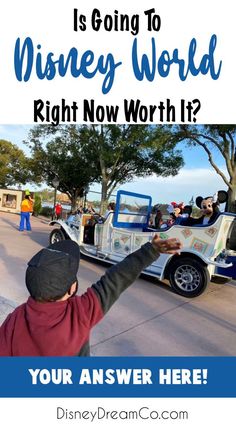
(219, 197)
(222, 196)
(199, 200)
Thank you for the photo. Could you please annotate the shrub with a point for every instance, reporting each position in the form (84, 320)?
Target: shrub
(46, 211)
(37, 205)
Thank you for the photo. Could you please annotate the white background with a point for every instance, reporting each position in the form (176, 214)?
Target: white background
(50, 23)
(41, 413)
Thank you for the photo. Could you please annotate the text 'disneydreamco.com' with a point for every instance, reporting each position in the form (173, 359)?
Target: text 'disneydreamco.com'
(143, 413)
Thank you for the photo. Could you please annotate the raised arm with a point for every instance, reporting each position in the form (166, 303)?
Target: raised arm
(122, 275)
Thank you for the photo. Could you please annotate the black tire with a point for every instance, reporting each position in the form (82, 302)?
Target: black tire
(56, 235)
(188, 277)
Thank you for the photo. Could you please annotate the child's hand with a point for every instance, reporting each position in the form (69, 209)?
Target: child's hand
(167, 246)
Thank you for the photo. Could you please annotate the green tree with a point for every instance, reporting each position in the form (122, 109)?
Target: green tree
(14, 165)
(56, 152)
(214, 139)
(108, 154)
(127, 151)
(46, 195)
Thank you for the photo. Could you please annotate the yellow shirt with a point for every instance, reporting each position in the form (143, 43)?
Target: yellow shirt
(25, 205)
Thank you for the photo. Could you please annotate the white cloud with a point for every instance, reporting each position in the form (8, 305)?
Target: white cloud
(188, 183)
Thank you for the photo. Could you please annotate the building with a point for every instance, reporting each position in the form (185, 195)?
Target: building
(10, 200)
(63, 198)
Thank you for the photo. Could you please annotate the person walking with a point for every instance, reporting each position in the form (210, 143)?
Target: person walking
(26, 208)
(58, 210)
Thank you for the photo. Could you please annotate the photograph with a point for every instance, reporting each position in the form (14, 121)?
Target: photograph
(117, 214)
(134, 209)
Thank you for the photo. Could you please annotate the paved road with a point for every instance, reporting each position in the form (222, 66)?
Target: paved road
(148, 319)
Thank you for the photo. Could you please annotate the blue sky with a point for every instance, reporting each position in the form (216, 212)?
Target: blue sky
(197, 177)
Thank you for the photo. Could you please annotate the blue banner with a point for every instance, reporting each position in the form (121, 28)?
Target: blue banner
(118, 377)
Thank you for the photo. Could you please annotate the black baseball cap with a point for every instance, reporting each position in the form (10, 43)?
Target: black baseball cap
(52, 271)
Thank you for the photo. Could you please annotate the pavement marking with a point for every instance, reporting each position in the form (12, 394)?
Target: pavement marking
(143, 322)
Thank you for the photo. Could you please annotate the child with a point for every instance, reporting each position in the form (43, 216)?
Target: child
(55, 321)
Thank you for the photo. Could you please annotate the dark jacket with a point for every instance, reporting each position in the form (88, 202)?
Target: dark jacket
(199, 221)
(63, 328)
